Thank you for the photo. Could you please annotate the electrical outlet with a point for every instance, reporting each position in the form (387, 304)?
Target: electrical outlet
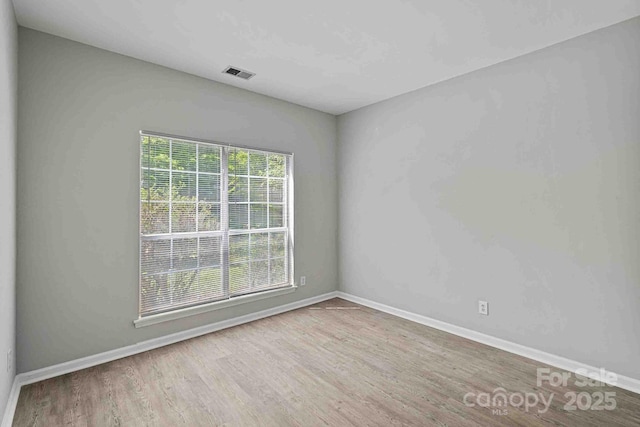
(483, 308)
(9, 360)
(303, 280)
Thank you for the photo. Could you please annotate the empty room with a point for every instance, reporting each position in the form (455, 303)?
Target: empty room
(296, 213)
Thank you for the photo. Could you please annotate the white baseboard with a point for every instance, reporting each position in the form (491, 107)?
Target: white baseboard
(108, 356)
(10, 409)
(624, 382)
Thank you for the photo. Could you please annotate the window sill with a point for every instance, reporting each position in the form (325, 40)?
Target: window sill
(217, 305)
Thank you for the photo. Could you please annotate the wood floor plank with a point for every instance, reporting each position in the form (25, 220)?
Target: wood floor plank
(332, 364)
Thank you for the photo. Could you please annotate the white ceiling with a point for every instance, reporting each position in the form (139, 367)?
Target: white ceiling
(334, 56)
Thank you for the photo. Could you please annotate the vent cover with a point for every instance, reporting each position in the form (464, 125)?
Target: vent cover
(235, 71)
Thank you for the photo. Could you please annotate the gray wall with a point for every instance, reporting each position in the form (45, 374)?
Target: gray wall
(80, 110)
(8, 123)
(518, 184)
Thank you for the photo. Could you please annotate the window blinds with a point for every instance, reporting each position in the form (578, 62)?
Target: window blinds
(214, 222)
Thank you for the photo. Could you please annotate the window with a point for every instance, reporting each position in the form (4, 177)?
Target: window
(215, 222)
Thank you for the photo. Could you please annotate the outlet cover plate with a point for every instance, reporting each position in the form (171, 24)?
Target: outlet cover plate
(483, 308)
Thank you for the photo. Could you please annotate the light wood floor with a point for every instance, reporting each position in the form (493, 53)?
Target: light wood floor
(314, 366)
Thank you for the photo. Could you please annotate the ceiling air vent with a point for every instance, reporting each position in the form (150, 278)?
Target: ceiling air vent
(235, 71)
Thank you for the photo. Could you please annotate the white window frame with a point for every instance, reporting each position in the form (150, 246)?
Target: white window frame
(229, 301)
